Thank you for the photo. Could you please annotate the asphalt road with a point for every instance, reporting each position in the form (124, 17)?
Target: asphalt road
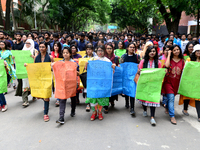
(24, 128)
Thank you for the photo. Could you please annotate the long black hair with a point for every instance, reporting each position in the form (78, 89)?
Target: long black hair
(180, 54)
(146, 57)
(186, 51)
(59, 50)
(75, 47)
(69, 50)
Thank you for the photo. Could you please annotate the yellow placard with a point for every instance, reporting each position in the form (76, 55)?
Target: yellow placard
(40, 79)
(58, 59)
(162, 62)
(82, 62)
(82, 53)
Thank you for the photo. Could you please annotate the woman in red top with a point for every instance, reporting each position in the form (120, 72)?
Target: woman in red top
(175, 64)
(57, 50)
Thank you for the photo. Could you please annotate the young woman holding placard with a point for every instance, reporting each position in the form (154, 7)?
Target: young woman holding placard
(67, 55)
(109, 53)
(98, 103)
(130, 56)
(44, 57)
(150, 61)
(195, 56)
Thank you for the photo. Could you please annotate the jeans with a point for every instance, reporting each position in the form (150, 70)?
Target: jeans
(63, 106)
(170, 104)
(164, 101)
(2, 99)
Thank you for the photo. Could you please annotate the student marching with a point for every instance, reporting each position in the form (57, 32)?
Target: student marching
(83, 62)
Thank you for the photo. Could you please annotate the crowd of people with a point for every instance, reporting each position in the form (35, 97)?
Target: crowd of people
(143, 49)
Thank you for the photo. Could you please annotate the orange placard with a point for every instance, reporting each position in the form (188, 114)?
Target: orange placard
(162, 62)
(65, 79)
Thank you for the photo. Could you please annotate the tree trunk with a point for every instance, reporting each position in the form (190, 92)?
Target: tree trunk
(7, 25)
(43, 7)
(13, 17)
(1, 15)
(198, 23)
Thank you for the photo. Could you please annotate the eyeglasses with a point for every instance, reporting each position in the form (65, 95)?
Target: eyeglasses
(109, 48)
(100, 51)
(27, 43)
(190, 47)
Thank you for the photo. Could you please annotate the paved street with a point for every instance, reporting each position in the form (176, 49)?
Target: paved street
(24, 128)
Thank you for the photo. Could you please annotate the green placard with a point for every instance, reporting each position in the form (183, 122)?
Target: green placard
(149, 84)
(3, 78)
(119, 52)
(21, 57)
(190, 79)
(186, 57)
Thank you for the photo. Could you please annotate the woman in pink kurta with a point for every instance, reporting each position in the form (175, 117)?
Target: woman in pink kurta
(150, 61)
(175, 64)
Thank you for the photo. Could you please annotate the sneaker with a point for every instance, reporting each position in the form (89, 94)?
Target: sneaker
(46, 118)
(25, 104)
(132, 112)
(4, 108)
(60, 120)
(145, 113)
(57, 103)
(72, 114)
(153, 122)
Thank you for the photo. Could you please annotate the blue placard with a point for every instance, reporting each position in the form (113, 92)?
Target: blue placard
(129, 72)
(117, 81)
(99, 79)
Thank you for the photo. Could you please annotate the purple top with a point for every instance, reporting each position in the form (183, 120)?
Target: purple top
(77, 56)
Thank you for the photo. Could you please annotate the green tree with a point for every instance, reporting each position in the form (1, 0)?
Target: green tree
(124, 14)
(73, 15)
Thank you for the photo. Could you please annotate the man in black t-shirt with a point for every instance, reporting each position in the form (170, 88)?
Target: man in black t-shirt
(18, 45)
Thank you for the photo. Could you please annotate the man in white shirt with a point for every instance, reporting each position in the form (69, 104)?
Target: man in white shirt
(183, 42)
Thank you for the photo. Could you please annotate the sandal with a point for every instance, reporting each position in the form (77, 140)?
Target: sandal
(88, 108)
(100, 116)
(166, 111)
(46, 118)
(173, 121)
(93, 117)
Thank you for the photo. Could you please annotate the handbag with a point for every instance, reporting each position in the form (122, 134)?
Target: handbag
(83, 77)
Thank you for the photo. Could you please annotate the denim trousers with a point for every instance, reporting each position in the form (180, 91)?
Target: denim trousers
(2, 99)
(170, 104)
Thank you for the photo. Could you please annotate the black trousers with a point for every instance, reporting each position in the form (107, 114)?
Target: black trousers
(152, 110)
(63, 106)
(197, 104)
(132, 101)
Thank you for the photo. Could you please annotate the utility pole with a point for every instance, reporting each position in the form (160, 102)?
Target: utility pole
(35, 15)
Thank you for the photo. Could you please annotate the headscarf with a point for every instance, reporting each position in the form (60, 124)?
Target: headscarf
(156, 43)
(31, 48)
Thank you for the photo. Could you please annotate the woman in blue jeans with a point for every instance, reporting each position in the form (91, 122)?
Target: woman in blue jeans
(175, 64)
